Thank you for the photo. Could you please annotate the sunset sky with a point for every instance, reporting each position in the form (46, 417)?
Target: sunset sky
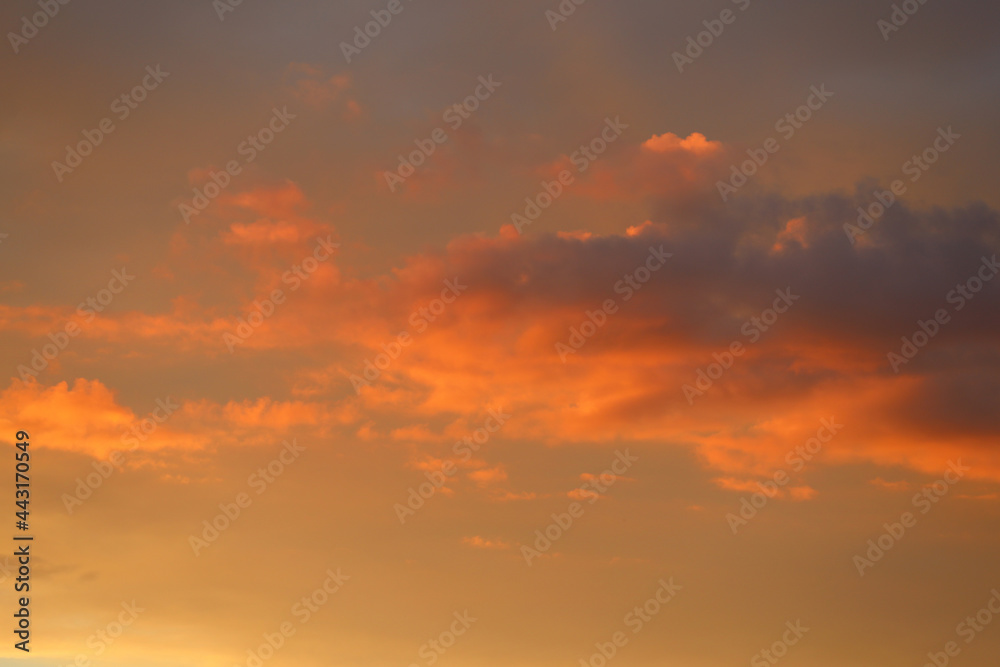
(527, 334)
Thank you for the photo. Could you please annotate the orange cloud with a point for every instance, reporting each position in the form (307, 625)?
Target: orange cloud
(795, 231)
(316, 90)
(477, 542)
(664, 166)
(495, 343)
(901, 485)
(694, 143)
(488, 475)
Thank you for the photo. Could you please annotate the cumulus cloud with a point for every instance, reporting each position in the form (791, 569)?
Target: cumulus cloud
(527, 293)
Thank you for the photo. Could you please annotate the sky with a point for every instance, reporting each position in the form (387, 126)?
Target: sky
(525, 333)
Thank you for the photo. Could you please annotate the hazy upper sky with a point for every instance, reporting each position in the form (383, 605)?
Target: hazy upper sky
(703, 290)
